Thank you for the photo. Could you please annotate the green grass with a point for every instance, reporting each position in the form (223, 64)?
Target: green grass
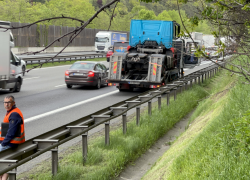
(50, 64)
(216, 145)
(106, 162)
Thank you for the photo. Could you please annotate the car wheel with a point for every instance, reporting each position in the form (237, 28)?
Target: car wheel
(69, 86)
(23, 70)
(98, 85)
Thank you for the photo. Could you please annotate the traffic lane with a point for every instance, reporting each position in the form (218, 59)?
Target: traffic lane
(47, 123)
(39, 80)
(203, 64)
(43, 102)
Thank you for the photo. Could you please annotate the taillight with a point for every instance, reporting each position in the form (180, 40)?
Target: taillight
(66, 73)
(128, 48)
(91, 74)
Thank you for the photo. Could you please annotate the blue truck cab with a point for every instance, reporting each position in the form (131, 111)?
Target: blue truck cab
(161, 32)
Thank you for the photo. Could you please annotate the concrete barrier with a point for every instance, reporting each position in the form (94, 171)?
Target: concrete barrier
(52, 49)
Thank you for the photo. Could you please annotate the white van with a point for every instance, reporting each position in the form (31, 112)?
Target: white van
(11, 76)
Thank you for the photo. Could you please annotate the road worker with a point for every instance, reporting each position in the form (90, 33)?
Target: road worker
(14, 130)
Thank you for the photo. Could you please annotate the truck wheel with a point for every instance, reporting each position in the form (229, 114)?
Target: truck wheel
(23, 70)
(17, 86)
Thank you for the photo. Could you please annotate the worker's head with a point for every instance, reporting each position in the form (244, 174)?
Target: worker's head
(9, 102)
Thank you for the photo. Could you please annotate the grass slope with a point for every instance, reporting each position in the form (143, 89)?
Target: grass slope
(215, 146)
(106, 162)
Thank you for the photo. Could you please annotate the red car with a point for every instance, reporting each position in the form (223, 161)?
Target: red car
(109, 53)
(117, 47)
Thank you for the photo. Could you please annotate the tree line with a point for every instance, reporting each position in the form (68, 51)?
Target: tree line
(28, 11)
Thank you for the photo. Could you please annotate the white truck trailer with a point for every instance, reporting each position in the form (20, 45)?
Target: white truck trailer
(11, 77)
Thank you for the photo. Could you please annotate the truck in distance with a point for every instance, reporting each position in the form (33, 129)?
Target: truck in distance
(155, 56)
(105, 39)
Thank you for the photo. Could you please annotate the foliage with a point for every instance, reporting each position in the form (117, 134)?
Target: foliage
(236, 135)
(22, 11)
(229, 21)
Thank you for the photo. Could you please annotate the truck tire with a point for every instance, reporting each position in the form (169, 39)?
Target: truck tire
(23, 70)
(17, 87)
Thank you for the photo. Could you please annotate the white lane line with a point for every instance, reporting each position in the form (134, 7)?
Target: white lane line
(68, 107)
(31, 78)
(60, 85)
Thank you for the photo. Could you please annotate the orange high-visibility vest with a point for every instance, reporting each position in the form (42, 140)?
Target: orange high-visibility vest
(16, 140)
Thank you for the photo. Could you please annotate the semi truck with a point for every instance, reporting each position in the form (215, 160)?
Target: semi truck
(155, 56)
(105, 39)
(11, 77)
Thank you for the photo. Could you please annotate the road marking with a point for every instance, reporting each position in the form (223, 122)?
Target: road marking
(68, 107)
(31, 78)
(61, 85)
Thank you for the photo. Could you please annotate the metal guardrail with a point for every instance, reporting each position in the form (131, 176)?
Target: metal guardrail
(62, 58)
(10, 159)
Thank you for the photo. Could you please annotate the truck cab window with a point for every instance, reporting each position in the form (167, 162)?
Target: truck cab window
(101, 39)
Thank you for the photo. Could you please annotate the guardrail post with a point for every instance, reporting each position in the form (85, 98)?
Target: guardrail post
(54, 155)
(199, 80)
(150, 108)
(180, 88)
(186, 86)
(159, 102)
(107, 133)
(202, 78)
(12, 175)
(191, 83)
(84, 146)
(168, 97)
(175, 89)
(195, 80)
(124, 123)
(138, 115)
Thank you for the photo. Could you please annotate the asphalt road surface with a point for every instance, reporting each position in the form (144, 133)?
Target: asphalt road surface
(47, 103)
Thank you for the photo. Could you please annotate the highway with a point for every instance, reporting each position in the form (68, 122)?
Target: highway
(47, 103)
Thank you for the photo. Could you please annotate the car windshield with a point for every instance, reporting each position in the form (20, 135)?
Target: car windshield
(83, 65)
(120, 46)
(101, 39)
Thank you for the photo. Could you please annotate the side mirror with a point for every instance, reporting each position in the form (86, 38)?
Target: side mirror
(18, 63)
